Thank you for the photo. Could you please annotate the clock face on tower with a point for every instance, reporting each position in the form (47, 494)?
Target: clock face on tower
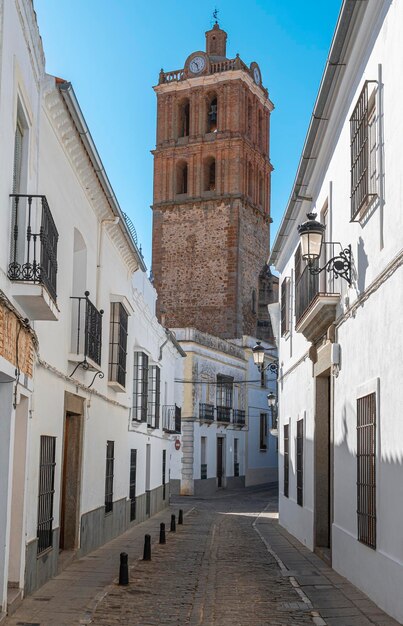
(256, 75)
(197, 64)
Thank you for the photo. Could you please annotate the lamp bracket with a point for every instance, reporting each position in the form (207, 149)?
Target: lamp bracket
(340, 264)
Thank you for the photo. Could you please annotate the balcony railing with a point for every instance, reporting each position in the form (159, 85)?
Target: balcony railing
(238, 417)
(172, 418)
(87, 329)
(206, 412)
(33, 248)
(224, 414)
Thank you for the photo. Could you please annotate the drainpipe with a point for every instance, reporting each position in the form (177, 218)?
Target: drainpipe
(102, 223)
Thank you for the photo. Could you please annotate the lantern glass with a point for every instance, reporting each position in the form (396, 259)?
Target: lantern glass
(311, 245)
(258, 354)
(271, 399)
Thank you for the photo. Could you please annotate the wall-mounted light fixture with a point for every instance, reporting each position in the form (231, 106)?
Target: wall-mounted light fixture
(311, 233)
(258, 358)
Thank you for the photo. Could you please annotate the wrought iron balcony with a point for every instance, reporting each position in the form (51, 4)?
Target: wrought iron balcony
(224, 414)
(206, 412)
(238, 417)
(87, 332)
(172, 418)
(315, 308)
(33, 257)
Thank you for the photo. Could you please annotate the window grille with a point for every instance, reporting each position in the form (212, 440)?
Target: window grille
(263, 431)
(110, 458)
(366, 469)
(285, 306)
(164, 464)
(224, 394)
(46, 491)
(286, 459)
(363, 152)
(132, 483)
(154, 394)
(300, 462)
(118, 343)
(140, 387)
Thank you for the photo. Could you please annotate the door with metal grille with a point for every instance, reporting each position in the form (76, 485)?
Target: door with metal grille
(300, 461)
(366, 470)
(46, 492)
(164, 464)
(132, 483)
(220, 441)
(110, 459)
(286, 460)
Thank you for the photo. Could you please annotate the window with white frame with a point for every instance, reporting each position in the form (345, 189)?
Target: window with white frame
(140, 387)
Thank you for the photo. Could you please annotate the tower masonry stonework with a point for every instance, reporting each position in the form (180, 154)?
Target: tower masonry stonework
(211, 205)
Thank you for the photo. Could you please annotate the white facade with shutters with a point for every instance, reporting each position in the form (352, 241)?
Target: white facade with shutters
(69, 477)
(341, 432)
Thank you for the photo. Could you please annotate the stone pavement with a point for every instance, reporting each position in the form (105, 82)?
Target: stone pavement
(230, 564)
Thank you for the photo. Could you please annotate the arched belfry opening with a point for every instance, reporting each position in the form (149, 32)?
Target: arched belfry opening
(184, 118)
(212, 115)
(209, 177)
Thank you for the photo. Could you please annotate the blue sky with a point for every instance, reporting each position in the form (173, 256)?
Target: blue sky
(112, 51)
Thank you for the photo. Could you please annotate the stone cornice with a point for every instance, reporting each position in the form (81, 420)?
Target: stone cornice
(216, 79)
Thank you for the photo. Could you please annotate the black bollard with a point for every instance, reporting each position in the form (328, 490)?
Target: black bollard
(173, 523)
(147, 548)
(123, 569)
(180, 518)
(162, 533)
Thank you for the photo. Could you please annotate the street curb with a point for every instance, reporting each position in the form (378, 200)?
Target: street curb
(316, 618)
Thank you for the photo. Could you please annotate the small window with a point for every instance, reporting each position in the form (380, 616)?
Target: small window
(286, 459)
(366, 470)
(46, 492)
(110, 459)
(140, 387)
(182, 178)
(263, 431)
(363, 152)
(118, 343)
(285, 306)
(300, 461)
(212, 116)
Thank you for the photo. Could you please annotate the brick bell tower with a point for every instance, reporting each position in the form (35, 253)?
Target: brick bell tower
(211, 207)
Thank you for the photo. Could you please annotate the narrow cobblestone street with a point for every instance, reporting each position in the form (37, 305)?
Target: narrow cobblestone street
(230, 564)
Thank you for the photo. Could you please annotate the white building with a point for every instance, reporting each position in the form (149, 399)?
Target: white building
(226, 421)
(341, 432)
(87, 391)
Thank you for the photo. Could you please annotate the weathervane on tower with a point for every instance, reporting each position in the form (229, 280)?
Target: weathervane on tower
(215, 15)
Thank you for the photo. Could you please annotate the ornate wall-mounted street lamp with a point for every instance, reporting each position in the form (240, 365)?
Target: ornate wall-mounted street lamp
(258, 358)
(311, 233)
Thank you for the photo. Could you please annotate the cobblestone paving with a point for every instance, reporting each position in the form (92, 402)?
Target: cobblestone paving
(230, 564)
(214, 571)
